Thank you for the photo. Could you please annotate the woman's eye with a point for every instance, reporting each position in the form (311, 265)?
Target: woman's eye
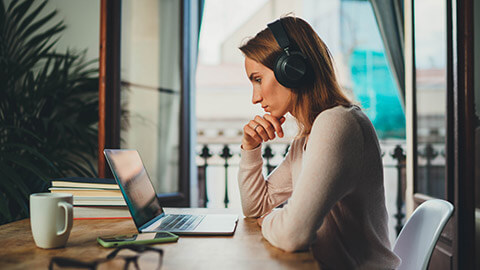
(258, 80)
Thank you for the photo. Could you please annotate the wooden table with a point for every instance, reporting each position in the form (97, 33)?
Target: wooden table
(246, 249)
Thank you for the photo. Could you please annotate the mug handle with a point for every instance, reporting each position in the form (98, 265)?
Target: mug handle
(68, 216)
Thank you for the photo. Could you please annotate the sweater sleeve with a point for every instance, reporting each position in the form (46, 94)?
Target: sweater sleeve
(332, 158)
(260, 195)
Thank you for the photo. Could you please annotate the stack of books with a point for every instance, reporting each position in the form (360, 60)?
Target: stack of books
(93, 197)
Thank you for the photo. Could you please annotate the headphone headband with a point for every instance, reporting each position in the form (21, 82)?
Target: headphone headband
(279, 33)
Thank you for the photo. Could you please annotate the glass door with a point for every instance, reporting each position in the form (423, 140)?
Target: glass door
(430, 37)
(432, 93)
(151, 87)
(147, 59)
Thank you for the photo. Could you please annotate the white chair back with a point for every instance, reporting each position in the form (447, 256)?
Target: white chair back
(416, 241)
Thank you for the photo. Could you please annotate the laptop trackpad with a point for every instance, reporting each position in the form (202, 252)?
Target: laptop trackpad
(218, 224)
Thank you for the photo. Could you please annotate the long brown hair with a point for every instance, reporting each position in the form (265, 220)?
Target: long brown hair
(322, 92)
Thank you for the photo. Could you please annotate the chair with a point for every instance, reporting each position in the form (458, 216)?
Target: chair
(416, 241)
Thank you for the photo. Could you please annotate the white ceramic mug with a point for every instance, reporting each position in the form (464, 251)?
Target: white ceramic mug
(51, 218)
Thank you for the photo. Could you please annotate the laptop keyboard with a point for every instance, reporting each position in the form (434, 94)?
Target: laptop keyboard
(180, 222)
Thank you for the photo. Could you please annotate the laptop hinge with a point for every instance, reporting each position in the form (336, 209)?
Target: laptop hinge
(148, 224)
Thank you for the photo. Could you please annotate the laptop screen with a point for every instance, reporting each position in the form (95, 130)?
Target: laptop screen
(138, 191)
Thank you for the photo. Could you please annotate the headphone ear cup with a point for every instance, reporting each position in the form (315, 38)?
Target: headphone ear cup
(290, 70)
(279, 72)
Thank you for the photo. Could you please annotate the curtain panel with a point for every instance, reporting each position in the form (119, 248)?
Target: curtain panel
(389, 16)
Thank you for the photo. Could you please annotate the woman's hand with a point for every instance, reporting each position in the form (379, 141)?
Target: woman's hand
(261, 129)
(260, 219)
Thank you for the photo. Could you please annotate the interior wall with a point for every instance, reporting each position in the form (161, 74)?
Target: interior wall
(82, 20)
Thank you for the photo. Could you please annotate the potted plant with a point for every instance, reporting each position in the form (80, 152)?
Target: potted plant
(48, 107)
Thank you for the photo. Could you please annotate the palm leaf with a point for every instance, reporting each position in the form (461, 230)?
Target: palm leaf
(19, 10)
(12, 183)
(25, 164)
(4, 211)
(29, 19)
(2, 14)
(32, 151)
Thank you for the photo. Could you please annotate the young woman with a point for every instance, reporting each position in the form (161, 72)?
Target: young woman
(332, 176)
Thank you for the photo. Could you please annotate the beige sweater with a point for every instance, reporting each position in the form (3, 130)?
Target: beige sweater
(334, 186)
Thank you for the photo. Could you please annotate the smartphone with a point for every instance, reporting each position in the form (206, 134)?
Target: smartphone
(142, 238)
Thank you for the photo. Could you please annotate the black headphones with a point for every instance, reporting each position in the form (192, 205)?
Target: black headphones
(291, 66)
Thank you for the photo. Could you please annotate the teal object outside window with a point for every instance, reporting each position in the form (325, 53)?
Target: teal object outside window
(375, 89)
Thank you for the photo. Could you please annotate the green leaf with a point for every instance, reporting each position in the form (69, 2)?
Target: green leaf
(21, 131)
(13, 183)
(4, 211)
(2, 14)
(86, 162)
(20, 10)
(25, 164)
(32, 151)
(9, 186)
(27, 31)
(29, 19)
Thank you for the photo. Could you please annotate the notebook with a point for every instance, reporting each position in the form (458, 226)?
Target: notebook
(147, 213)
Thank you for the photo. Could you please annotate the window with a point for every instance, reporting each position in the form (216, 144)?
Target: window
(430, 35)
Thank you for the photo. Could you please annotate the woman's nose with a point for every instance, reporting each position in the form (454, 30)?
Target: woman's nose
(256, 97)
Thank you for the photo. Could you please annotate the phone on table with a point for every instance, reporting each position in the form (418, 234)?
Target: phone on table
(141, 238)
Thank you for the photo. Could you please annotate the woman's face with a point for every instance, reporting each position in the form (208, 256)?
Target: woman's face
(274, 97)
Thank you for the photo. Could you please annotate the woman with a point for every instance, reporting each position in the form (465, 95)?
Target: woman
(332, 175)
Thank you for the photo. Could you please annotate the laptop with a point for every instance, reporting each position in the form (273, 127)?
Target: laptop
(142, 201)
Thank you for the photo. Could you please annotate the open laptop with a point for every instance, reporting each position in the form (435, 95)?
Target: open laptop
(147, 213)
